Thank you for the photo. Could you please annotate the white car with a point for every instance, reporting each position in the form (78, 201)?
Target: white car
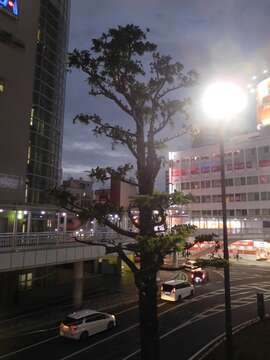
(191, 265)
(175, 290)
(81, 324)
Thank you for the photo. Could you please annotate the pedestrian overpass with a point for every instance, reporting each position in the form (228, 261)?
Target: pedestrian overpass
(28, 250)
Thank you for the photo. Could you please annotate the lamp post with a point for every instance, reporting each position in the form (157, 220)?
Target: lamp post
(222, 101)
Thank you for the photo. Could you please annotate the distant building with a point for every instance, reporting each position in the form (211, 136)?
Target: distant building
(123, 191)
(102, 195)
(247, 166)
(81, 189)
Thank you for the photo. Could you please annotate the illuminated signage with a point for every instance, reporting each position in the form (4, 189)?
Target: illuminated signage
(263, 103)
(10, 7)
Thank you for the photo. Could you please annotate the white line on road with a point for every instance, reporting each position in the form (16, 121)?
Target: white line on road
(28, 347)
(99, 342)
(196, 299)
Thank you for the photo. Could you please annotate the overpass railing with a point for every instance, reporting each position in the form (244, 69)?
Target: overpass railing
(44, 240)
(234, 234)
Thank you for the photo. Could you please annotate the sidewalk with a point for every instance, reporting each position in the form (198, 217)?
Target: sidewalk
(251, 343)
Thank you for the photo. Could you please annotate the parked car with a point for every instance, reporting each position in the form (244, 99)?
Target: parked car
(81, 324)
(191, 265)
(175, 290)
(199, 276)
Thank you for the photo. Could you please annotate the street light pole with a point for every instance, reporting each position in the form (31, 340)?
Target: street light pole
(228, 313)
(221, 102)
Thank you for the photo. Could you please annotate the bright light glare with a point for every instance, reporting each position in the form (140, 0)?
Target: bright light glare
(222, 100)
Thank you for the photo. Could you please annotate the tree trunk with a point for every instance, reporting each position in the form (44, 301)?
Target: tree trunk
(149, 333)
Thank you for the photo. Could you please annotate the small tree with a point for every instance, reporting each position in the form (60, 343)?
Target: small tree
(124, 67)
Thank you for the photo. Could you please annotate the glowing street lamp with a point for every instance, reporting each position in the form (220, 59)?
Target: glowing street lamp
(221, 102)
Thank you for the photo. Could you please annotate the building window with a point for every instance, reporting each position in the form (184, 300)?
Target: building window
(252, 180)
(25, 281)
(265, 179)
(240, 197)
(195, 185)
(206, 198)
(251, 158)
(196, 199)
(230, 197)
(185, 186)
(265, 195)
(241, 212)
(254, 212)
(2, 86)
(196, 213)
(217, 212)
(216, 183)
(229, 182)
(216, 198)
(205, 184)
(240, 181)
(230, 212)
(254, 196)
(266, 212)
(206, 213)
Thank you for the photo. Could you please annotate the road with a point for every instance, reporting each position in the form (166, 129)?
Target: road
(184, 327)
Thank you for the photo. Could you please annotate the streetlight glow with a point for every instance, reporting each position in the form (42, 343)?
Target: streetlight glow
(222, 100)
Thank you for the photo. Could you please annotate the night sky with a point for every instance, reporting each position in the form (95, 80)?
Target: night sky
(218, 38)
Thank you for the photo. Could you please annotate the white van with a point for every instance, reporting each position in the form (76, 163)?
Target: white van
(81, 324)
(175, 290)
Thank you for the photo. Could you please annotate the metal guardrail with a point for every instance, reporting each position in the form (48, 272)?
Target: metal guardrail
(44, 240)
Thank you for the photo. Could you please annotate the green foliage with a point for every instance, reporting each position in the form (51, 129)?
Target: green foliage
(161, 200)
(205, 238)
(217, 262)
(165, 243)
(103, 174)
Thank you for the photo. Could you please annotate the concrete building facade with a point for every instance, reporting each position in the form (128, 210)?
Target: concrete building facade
(247, 167)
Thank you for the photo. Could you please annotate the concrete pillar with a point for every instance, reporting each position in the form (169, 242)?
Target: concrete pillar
(29, 220)
(15, 223)
(78, 284)
(65, 223)
(58, 221)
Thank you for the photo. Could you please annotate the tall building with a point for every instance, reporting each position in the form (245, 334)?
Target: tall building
(33, 45)
(247, 167)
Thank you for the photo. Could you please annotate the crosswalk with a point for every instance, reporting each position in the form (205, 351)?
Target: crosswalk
(242, 295)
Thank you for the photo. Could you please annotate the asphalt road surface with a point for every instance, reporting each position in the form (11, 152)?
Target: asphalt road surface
(185, 327)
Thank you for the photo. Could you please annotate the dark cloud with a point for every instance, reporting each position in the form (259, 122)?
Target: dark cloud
(214, 36)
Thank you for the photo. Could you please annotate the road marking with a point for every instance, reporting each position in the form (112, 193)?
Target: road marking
(28, 347)
(98, 342)
(132, 354)
(196, 299)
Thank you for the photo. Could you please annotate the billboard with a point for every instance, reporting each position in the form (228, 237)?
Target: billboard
(263, 103)
(10, 7)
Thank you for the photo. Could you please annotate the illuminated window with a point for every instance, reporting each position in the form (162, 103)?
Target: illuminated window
(25, 281)
(2, 86)
(32, 116)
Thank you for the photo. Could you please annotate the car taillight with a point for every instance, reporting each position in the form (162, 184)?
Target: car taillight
(203, 276)
(73, 328)
(192, 276)
(161, 288)
(173, 290)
